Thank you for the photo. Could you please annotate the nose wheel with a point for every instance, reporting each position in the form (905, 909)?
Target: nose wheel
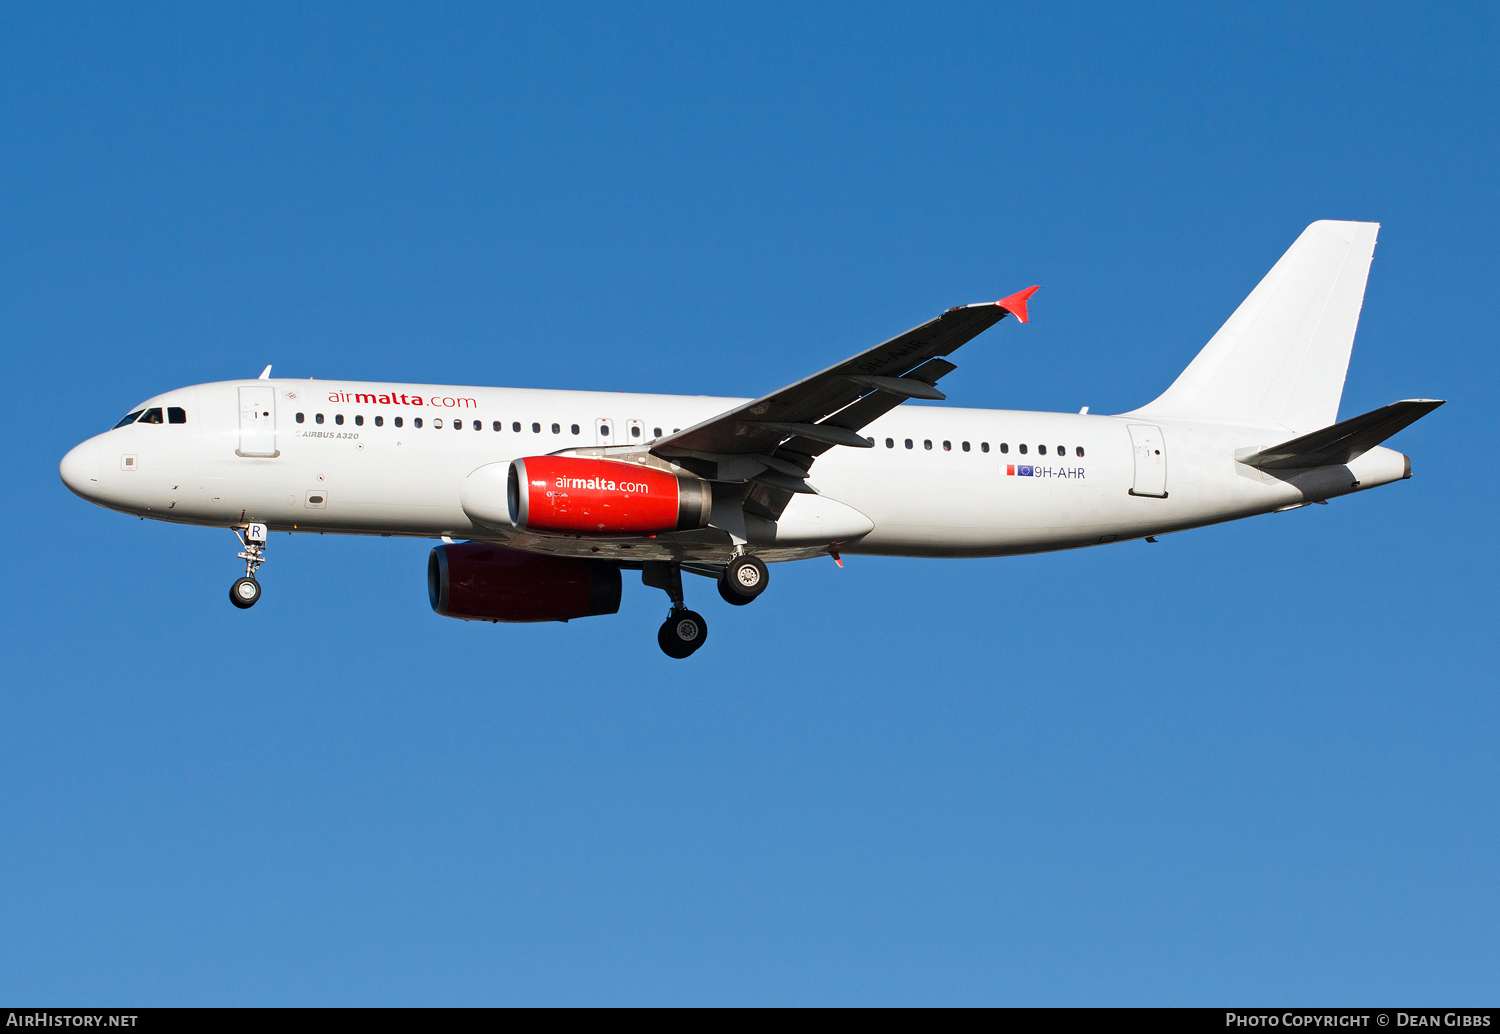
(245, 592)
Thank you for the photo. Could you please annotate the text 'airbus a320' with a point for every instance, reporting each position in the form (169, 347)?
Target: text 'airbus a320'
(555, 493)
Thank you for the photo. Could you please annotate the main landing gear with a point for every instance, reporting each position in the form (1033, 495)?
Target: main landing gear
(245, 592)
(684, 631)
(745, 577)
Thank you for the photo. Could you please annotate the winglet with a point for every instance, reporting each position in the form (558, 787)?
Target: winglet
(1016, 303)
(265, 374)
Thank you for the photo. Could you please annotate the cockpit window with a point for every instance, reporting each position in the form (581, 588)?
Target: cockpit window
(176, 415)
(151, 416)
(129, 418)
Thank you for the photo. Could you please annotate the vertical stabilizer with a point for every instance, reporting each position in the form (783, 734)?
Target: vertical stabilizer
(1280, 360)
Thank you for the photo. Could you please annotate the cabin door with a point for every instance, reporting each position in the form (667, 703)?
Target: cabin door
(1150, 461)
(257, 421)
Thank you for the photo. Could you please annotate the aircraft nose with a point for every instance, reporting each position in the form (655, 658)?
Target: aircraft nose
(80, 469)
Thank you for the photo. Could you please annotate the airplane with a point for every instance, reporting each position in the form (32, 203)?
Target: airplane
(543, 498)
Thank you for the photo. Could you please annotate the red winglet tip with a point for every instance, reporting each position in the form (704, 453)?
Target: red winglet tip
(1016, 303)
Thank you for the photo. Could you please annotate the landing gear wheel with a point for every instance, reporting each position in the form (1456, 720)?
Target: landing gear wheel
(744, 578)
(244, 592)
(682, 633)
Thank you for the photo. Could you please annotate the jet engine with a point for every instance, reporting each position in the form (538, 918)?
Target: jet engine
(580, 495)
(476, 582)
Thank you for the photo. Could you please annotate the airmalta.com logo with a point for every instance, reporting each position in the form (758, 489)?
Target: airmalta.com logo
(1027, 470)
(394, 399)
(597, 484)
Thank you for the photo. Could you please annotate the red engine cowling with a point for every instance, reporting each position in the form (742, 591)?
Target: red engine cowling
(580, 495)
(476, 582)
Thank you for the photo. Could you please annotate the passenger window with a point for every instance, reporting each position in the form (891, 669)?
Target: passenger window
(516, 426)
(397, 421)
(479, 425)
(1079, 450)
(416, 421)
(1062, 450)
(318, 419)
(947, 446)
(437, 422)
(129, 418)
(338, 418)
(908, 443)
(176, 415)
(655, 432)
(380, 421)
(890, 443)
(536, 428)
(984, 446)
(676, 429)
(458, 425)
(151, 416)
(1005, 447)
(574, 429)
(927, 443)
(359, 421)
(557, 429)
(1021, 449)
(300, 418)
(966, 446)
(1041, 450)
(497, 425)
(635, 430)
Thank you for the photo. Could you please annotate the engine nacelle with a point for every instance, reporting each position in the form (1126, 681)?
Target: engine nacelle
(580, 495)
(475, 582)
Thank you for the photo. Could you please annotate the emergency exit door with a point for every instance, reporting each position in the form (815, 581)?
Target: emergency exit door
(1150, 461)
(257, 421)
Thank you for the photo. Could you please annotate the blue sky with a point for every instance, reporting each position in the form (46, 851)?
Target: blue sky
(1251, 764)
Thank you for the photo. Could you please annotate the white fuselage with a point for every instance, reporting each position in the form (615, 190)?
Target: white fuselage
(336, 461)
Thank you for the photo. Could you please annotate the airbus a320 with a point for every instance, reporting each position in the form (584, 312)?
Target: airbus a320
(542, 499)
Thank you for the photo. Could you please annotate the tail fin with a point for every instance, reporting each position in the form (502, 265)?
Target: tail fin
(1280, 360)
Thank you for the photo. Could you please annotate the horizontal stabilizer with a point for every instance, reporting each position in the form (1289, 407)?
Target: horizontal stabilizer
(1342, 442)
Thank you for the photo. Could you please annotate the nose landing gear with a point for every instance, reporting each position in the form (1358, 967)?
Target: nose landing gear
(684, 631)
(246, 591)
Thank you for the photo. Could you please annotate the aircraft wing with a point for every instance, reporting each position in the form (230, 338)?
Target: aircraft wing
(798, 423)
